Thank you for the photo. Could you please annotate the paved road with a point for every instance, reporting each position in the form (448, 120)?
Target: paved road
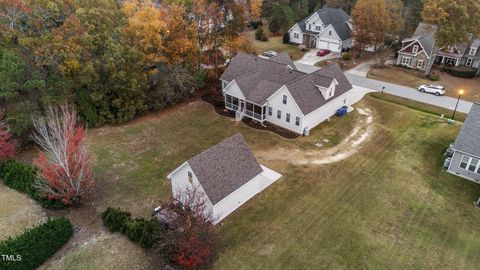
(410, 93)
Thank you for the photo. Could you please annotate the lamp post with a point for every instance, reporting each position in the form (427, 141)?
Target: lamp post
(460, 93)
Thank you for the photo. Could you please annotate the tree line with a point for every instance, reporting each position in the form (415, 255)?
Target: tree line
(111, 59)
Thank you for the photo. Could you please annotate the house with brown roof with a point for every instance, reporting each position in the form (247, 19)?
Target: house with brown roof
(420, 51)
(223, 177)
(273, 90)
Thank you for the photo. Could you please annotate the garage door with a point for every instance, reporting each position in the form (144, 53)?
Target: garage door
(333, 46)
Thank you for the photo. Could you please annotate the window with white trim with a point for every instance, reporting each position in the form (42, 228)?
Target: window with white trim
(287, 118)
(284, 101)
(270, 111)
(296, 35)
(190, 177)
(450, 48)
(329, 33)
(420, 64)
(279, 114)
(406, 61)
(415, 49)
(470, 164)
(297, 121)
(318, 28)
(469, 62)
(473, 51)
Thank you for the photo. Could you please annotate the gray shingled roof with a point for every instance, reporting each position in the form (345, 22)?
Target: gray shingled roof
(424, 33)
(244, 63)
(261, 78)
(225, 167)
(468, 140)
(308, 96)
(334, 16)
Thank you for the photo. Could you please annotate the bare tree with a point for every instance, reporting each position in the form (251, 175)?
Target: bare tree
(65, 166)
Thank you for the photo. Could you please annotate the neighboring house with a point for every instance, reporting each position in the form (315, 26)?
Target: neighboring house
(420, 50)
(273, 90)
(326, 28)
(471, 57)
(226, 175)
(465, 161)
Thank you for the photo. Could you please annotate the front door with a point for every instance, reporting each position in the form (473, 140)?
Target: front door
(242, 105)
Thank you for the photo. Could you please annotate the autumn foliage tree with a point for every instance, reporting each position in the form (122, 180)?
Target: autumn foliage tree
(7, 143)
(372, 23)
(192, 244)
(64, 163)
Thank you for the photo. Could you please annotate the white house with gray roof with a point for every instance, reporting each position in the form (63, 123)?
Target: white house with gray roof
(326, 28)
(465, 161)
(226, 176)
(275, 91)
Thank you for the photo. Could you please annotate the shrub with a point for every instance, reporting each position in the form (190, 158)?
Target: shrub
(138, 230)
(463, 72)
(286, 37)
(37, 244)
(260, 35)
(86, 110)
(20, 177)
(141, 231)
(114, 219)
(346, 56)
(255, 24)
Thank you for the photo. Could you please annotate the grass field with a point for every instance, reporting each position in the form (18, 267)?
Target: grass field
(390, 206)
(275, 43)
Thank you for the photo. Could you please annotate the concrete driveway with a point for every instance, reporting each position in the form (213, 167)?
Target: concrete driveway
(310, 57)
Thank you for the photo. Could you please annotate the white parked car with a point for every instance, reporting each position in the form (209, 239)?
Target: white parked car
(438, 90)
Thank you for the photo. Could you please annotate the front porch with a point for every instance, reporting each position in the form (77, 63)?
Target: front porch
(245, 108)
(309, 41)
(447, 60)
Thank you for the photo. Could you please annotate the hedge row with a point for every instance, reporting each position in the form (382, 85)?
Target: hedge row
(22, 178)
(37, 244)
(137, 230)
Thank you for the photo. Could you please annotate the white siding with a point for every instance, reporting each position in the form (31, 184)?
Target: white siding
(321, 114)
(180, 184)
(314, 21)
(296, 30)
(331, 42)
(236, 199)
(276, 102)
(224, 84)
(234, 90)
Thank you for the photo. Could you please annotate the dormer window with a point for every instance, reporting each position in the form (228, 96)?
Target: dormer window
(415, 49)
(284, 99)
(329, 33)
(450, 48)
(473, 51)
(318, 28)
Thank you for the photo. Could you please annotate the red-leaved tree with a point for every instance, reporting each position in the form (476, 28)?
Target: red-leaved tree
(7, 143)
(192, 243)
(64, 163)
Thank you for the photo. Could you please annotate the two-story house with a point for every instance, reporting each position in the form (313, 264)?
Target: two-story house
(326, 28)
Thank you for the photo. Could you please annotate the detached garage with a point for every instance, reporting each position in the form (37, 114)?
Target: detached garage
(225, 177)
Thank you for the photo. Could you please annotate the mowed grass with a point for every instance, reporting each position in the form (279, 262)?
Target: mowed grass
(132, 161)
(275, 43)
(391, 206)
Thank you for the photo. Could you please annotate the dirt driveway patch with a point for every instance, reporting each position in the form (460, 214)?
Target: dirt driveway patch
(318, 156)
(17, 212)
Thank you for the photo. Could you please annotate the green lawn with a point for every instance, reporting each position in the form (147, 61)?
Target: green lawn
(390, 206)
(275, 43)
